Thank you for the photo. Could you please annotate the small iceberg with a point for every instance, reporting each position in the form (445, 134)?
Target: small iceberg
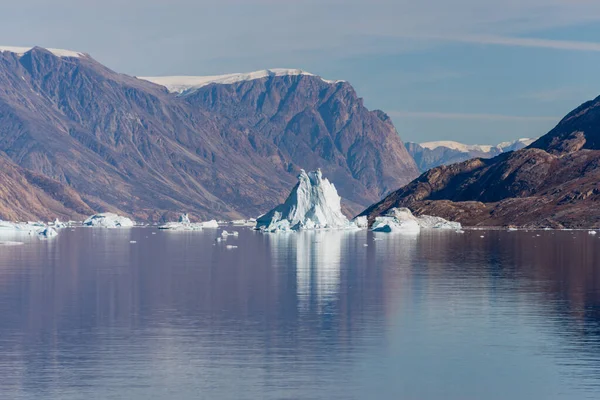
(108, 220)
(48, 232)
(313, 204)
(184, 224)
(592, 233)
(402, 220)
(361, 222)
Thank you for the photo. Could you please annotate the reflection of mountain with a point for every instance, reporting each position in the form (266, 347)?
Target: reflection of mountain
(289, 310)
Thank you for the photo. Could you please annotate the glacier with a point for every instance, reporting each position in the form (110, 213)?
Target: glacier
(313, 204)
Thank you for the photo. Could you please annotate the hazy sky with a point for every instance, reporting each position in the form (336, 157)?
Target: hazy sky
(477, 71)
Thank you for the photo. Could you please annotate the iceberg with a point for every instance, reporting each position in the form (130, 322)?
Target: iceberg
(209, 224)
(108, 220)
(312, 204)
(48, 232)
(361, 222)
(402, 220)
(184, 224)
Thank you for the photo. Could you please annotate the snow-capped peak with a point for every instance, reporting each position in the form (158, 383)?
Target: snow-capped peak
(187, 84)
(57, 52)
(465, 148)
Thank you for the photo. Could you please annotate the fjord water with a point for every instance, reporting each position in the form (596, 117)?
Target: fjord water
(176, 315)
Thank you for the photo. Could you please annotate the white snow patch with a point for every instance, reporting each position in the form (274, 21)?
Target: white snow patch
(108, 220)
(188, 84)
(20, 51)
(465, 148)
(483, 148)
(312, 204)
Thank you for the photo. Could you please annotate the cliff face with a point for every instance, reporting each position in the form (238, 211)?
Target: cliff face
(555, 182)
(130, 146)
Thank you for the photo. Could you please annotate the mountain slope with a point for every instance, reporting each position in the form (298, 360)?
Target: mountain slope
(554, 182)
(433, 154)
(128, 145)
(313, 123)
(25, 195)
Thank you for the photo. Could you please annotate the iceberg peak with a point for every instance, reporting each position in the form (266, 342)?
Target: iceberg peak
(313, 204)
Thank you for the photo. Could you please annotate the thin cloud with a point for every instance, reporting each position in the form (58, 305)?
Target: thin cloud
(519, 41)
(468, 116)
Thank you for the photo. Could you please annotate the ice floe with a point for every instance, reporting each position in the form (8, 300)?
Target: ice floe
(108, 220)
(184, 224)
(312, 204)
(402, 220)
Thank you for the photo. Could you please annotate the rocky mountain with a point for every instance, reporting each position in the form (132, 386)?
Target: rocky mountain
(433, 154)
(25, 195)
(555, 182)
(224, 149)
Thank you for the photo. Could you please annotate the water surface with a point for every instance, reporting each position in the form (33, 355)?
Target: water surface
(441, 315)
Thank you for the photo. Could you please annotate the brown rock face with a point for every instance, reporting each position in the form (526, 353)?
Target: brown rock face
(227, 151)
(27, 196)
(555, 182)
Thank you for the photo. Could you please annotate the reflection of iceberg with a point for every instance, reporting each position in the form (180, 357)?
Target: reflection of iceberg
(316, 259)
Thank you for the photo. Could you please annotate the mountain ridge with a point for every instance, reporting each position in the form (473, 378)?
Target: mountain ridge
(130, 146)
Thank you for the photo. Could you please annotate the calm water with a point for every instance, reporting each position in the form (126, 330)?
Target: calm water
(89, 315)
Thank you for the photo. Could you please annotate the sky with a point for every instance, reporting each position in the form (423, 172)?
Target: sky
(475, 71)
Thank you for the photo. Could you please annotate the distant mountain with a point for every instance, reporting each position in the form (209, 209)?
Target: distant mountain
(433, 154)
(213, 147)
(555, 182)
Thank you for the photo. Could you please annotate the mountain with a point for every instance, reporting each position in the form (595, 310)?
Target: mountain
(555, 182)
(433, 154)
(25, 195)
(224, 149)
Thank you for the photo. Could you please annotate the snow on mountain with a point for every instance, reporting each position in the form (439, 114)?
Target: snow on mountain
(187, 84)
(465, 148)
(312, 204)
(433, 154)
(515, 145)
(57, 52)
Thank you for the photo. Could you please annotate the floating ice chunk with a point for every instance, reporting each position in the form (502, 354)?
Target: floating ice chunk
(392, 225)
(48, 232)
(210, 224)
(231, 247)
(312, 204)
(592, 232)
(59, 225)
(132, 242)
(430, 222)
(108, 220)
(361, 222)
(184, 219)
(403, 220)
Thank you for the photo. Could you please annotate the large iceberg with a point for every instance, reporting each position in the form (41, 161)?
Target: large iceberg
(312, 204)
(108, 220)
(402, 220)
